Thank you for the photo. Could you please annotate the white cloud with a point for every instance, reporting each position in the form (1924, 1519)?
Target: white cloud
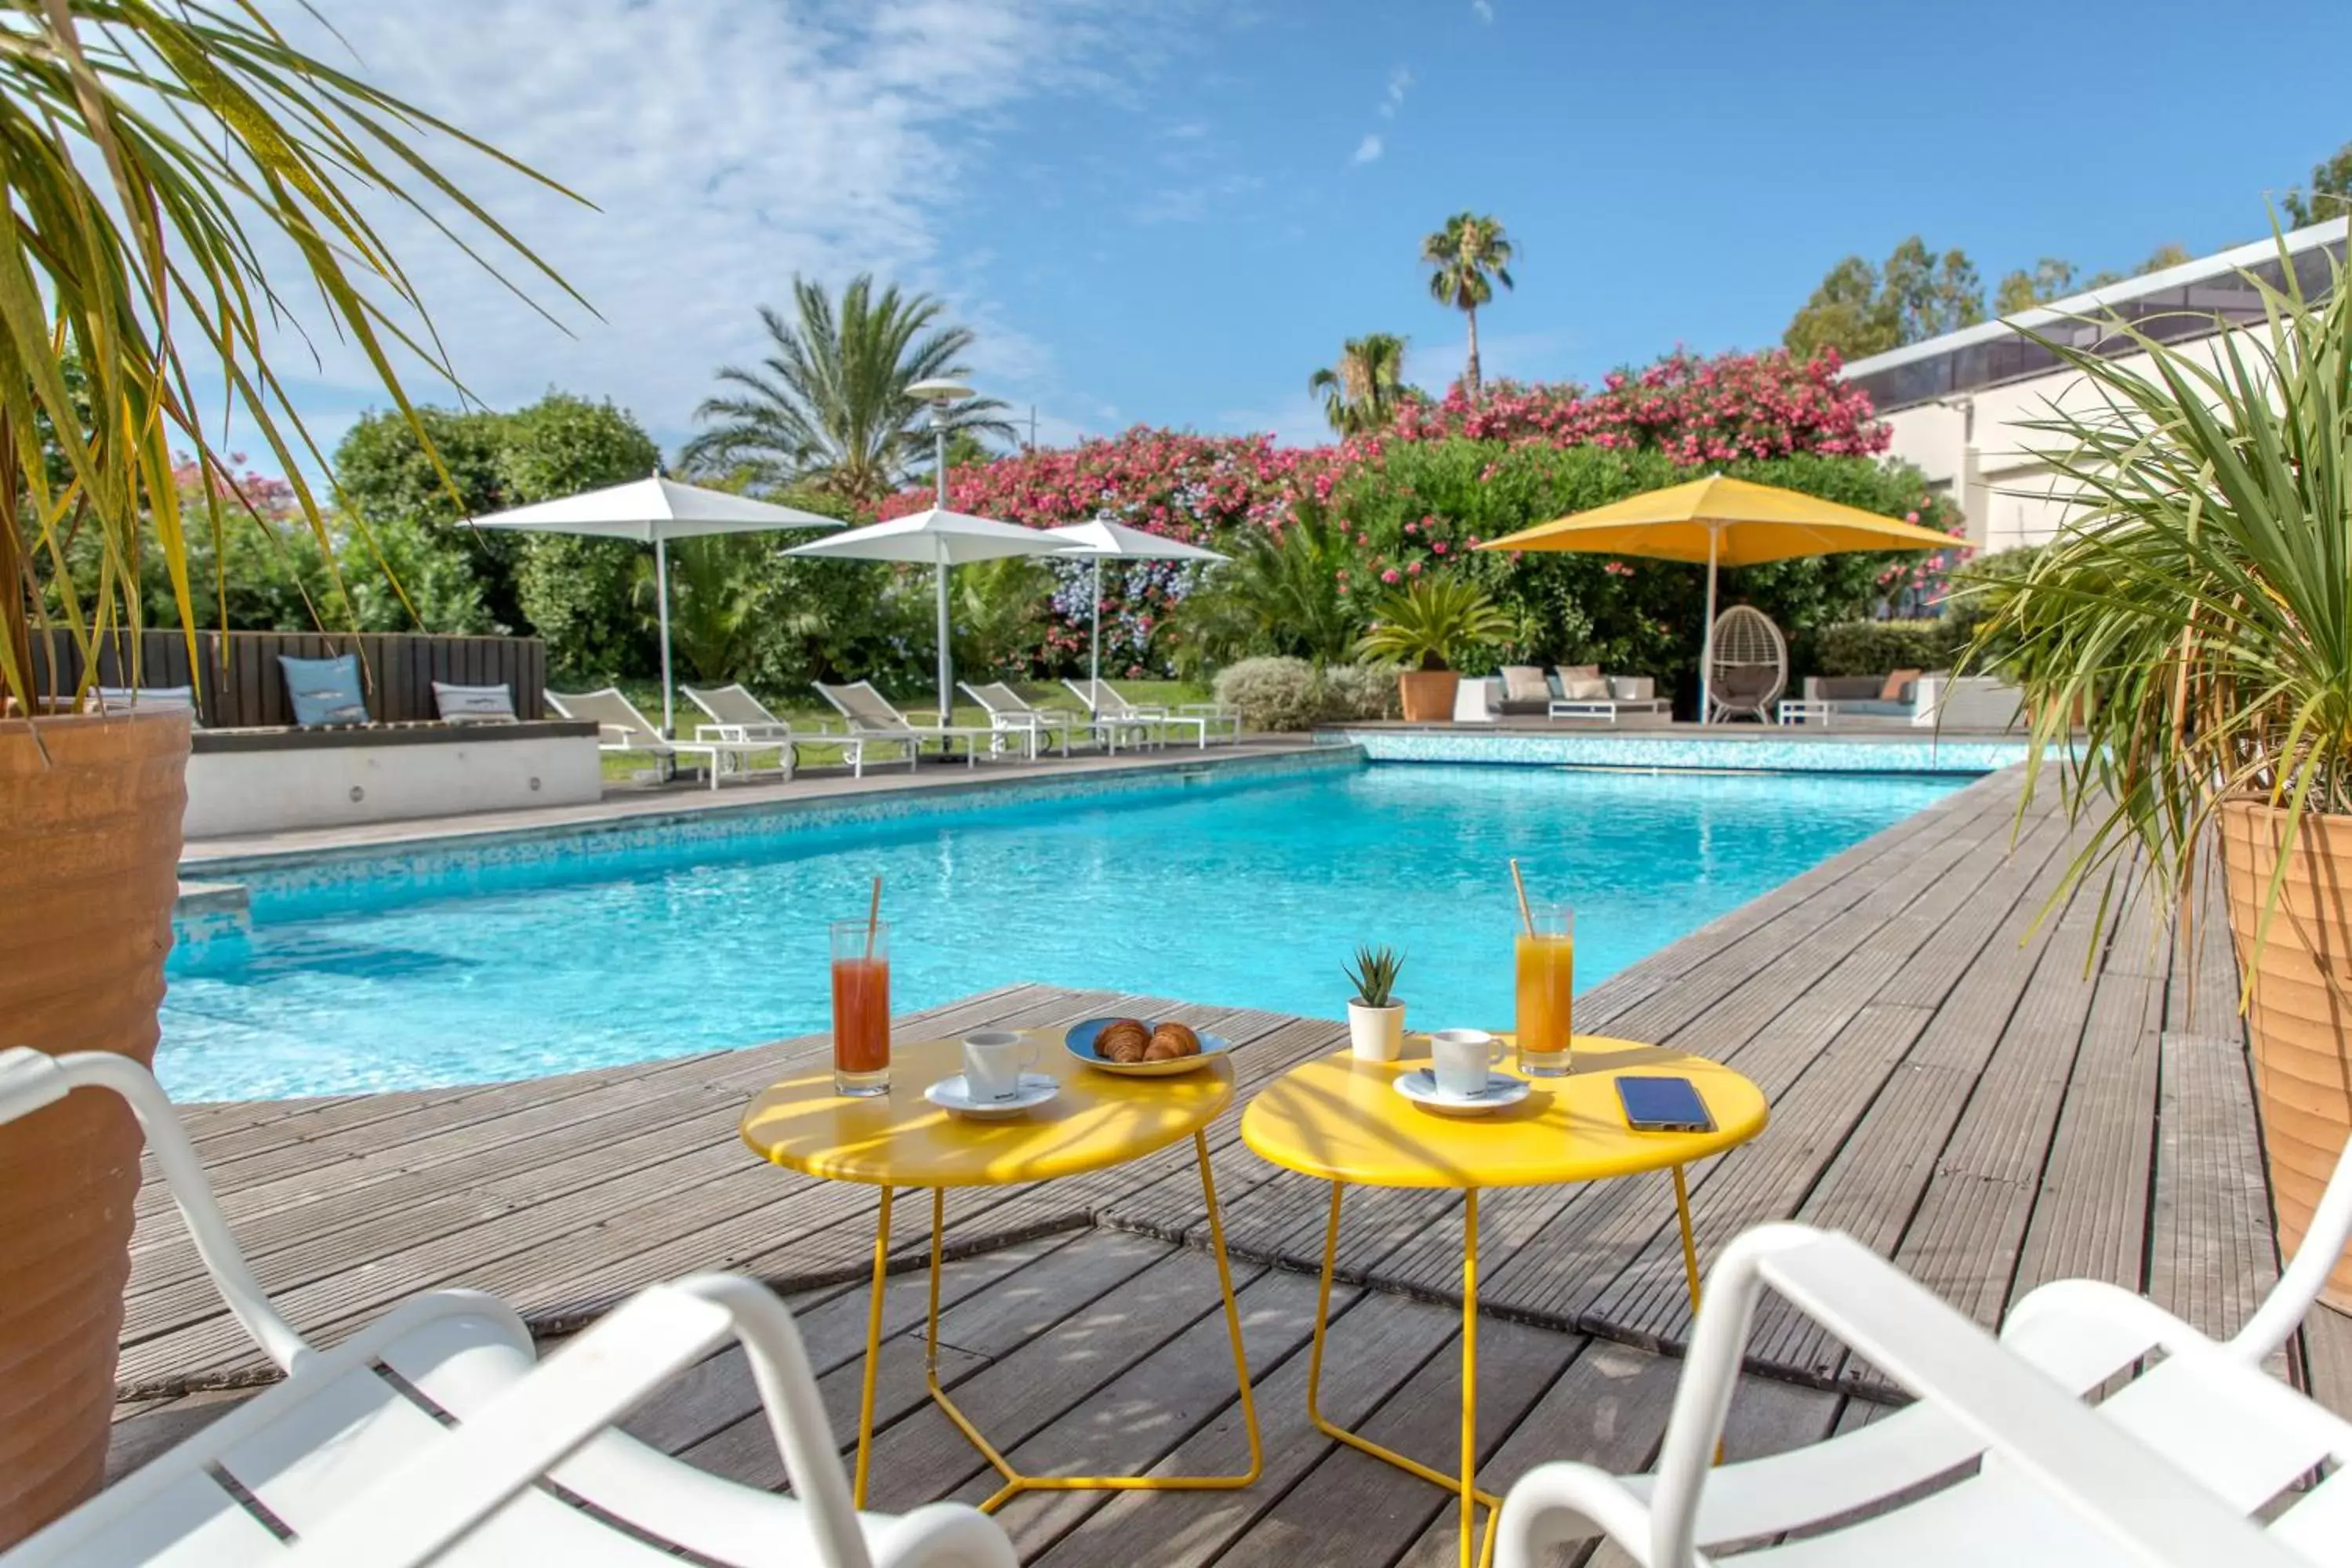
(1192, 203)
(1400, 80)
(726, 145)
(1369, 150)
(1483, 9)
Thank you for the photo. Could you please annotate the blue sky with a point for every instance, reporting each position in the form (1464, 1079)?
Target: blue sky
(1173, 213)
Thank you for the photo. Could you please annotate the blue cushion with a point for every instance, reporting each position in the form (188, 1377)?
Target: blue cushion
(325, 691)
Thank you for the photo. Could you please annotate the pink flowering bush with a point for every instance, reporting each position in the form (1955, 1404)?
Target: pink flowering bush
(1448, 474)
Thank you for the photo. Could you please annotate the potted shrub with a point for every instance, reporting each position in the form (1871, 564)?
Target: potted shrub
(2192, 618)
(1375, 1016)
(158, 152)
(1426, 627)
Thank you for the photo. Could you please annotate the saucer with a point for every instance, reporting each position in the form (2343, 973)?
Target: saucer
(1420, 1086)
(953, 1094)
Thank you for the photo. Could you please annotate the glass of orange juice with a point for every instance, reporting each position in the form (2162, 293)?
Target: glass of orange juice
(861, 1007)
(1546, 952)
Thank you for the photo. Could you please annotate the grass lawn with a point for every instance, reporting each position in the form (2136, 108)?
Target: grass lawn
(624, 767)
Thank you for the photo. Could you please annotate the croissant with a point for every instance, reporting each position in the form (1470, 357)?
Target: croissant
(1123, 1040)
(1170, 1041)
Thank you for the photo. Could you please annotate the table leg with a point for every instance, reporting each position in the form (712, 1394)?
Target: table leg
(1690, 1247)
(1463, 1484)
(873, 1348)
(1016, 1482)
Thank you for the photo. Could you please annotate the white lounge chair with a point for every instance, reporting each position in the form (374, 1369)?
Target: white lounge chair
(425, 1437)
(1011, 713)
(621, 727)
(874, 722)
(2201, 1458)
(737, 715)
(1103, 701)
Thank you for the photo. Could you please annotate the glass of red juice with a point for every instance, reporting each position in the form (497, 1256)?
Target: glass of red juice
(861, 1007)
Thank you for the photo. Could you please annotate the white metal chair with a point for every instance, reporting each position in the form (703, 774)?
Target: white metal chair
(1010, 713)
(621, 727)
(433, 1435)
(737, 715)
(872, 720)
(2201, 1458)
(1749, 666)
(1105, 701)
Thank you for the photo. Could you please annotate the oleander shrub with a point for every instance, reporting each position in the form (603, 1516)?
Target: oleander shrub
(1276, 692)
(1876, 647)
(1359, 692)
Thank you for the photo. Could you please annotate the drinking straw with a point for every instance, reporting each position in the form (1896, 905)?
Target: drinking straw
(873, 914)
(1518, 883)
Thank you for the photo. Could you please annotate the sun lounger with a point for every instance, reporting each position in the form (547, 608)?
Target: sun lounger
(621, 727)
(873, 721)
(434, 1434)
(1103, 701)
(737, 715)
(1013, 713)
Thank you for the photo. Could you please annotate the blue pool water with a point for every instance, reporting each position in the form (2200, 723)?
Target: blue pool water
(1246, 894)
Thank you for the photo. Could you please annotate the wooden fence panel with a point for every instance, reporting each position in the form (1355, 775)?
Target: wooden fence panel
(239, 685)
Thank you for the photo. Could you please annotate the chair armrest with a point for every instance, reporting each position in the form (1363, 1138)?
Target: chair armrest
(1145, 710)
(2113, 1481)
(417, 1509)
(737, 732)
(1207, 709)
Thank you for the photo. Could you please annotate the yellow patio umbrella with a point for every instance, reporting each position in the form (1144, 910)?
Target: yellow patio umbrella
(1724, 522)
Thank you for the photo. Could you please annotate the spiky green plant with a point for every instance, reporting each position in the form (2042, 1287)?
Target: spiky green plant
(1434, 621)
(153, 151)
(2196, 609)
(1374, 975)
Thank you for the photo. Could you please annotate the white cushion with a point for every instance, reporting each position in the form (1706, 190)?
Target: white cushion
(473, 704)
(1525, 683)
(1582, 687)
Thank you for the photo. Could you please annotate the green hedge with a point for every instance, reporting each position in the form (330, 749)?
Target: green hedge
(1876, 647)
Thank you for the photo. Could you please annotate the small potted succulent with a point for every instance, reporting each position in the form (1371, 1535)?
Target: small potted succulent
(1375, 1016)
(1425, 628)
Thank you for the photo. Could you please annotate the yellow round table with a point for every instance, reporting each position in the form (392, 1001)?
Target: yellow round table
(1342, 1121)
(901, 1140)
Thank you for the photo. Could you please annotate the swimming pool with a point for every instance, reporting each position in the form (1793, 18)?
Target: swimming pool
(409, 972)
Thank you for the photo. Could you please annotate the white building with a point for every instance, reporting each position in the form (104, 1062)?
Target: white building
(1958, 403)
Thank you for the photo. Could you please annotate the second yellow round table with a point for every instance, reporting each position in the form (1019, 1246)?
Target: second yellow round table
(1342, 1121)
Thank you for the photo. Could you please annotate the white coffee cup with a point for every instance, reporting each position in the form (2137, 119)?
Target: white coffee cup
(993, 1060)
(1459, 1059)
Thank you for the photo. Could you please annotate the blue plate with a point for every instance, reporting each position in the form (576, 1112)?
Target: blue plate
(1080, 1042)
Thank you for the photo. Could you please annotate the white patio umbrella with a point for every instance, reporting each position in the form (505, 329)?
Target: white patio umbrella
(654, 511)
(938, 539)
(1103, 540)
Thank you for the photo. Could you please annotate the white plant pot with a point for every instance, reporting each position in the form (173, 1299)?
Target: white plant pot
(1376, 1034)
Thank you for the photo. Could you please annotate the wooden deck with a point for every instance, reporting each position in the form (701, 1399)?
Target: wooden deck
(1970, 1104)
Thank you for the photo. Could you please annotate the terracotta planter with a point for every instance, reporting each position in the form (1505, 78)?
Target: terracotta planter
(2301, 1022)
(1427, 694)
(90, 849)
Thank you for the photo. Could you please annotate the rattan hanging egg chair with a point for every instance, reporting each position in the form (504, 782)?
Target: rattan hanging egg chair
(1747, 666)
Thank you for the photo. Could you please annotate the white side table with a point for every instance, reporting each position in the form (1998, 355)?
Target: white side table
(1798, 711)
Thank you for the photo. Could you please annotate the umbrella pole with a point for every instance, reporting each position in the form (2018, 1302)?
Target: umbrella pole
(1707, 644)
(945, 673)
(661, 595)
(1094, 643)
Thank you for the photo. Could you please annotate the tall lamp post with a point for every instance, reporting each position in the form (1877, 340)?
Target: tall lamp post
(938, 391)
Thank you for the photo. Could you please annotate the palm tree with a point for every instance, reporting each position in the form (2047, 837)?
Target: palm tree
(1466, 258)
(1361, 392)
(828, 407)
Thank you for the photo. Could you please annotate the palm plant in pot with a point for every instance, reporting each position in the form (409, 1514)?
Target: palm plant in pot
(1425, 627)
(155, 154)
(2195, 618)
(1375, 1016)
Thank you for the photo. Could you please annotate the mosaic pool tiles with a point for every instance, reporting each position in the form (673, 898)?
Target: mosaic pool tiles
(1628, 750)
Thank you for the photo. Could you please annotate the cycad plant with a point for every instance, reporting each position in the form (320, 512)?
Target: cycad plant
(154, 153)
(1434, 621)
